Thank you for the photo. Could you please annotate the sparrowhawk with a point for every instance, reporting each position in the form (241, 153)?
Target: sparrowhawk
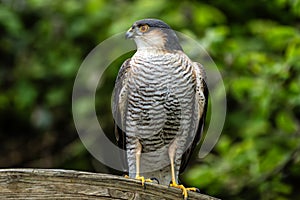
(160, 103)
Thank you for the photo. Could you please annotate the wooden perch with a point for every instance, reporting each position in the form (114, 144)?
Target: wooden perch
(70, 184)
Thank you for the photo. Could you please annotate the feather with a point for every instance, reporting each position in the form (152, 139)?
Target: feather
(201, 91)
(119, 101)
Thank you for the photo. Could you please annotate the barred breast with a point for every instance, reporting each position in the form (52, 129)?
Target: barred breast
(161, 99)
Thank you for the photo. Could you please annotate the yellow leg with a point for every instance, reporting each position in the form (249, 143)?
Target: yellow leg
(172, 150)
(138, 162)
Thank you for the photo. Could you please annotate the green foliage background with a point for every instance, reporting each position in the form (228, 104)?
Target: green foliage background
(255, 44)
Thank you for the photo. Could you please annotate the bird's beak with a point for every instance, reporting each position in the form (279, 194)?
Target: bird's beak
(129, 33)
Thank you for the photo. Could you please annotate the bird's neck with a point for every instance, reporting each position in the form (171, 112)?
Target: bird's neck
(147, 51)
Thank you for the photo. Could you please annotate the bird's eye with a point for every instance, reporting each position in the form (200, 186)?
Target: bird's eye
(144, 28)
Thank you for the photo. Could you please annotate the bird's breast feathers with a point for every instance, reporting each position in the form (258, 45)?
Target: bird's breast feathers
(161, 95)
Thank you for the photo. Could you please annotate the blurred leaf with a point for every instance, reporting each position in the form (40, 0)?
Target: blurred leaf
(10, 21)
(240, 87)
(206, 15)
(285, 122)
(277, 36)
(296, 7)
(293, 52)
(55, 97)
(68, 67)
(25, 95)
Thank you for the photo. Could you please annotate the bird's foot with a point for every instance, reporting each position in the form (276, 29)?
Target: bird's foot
(184, 189)
(143, 180)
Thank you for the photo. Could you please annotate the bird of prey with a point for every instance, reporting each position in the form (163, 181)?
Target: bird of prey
(159, 106)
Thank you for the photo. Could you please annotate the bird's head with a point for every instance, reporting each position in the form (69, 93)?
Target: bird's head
(153, 33)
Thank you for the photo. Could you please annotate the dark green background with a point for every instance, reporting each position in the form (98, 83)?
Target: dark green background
(255, 44)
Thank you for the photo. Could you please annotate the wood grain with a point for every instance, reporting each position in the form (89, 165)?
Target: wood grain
(70, 184)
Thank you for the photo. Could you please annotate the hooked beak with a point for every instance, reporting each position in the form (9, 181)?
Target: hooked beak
(130, 33)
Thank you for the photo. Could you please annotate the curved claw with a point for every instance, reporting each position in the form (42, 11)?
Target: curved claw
(155, 179)
(198, 190)
(184, 189)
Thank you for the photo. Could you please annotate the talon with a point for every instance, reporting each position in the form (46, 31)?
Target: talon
(193, 189)
(184, 189)
(143, 180)
(154, 179)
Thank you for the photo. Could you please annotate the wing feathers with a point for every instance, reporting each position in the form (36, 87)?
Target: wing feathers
(119, 107)
(201, 102)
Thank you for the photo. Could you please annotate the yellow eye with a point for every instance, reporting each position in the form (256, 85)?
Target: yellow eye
(144, 28)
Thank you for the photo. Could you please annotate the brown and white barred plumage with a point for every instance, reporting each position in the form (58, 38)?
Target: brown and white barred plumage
(160, 102)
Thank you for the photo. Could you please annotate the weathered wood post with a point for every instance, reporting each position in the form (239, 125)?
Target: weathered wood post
(70, 184)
